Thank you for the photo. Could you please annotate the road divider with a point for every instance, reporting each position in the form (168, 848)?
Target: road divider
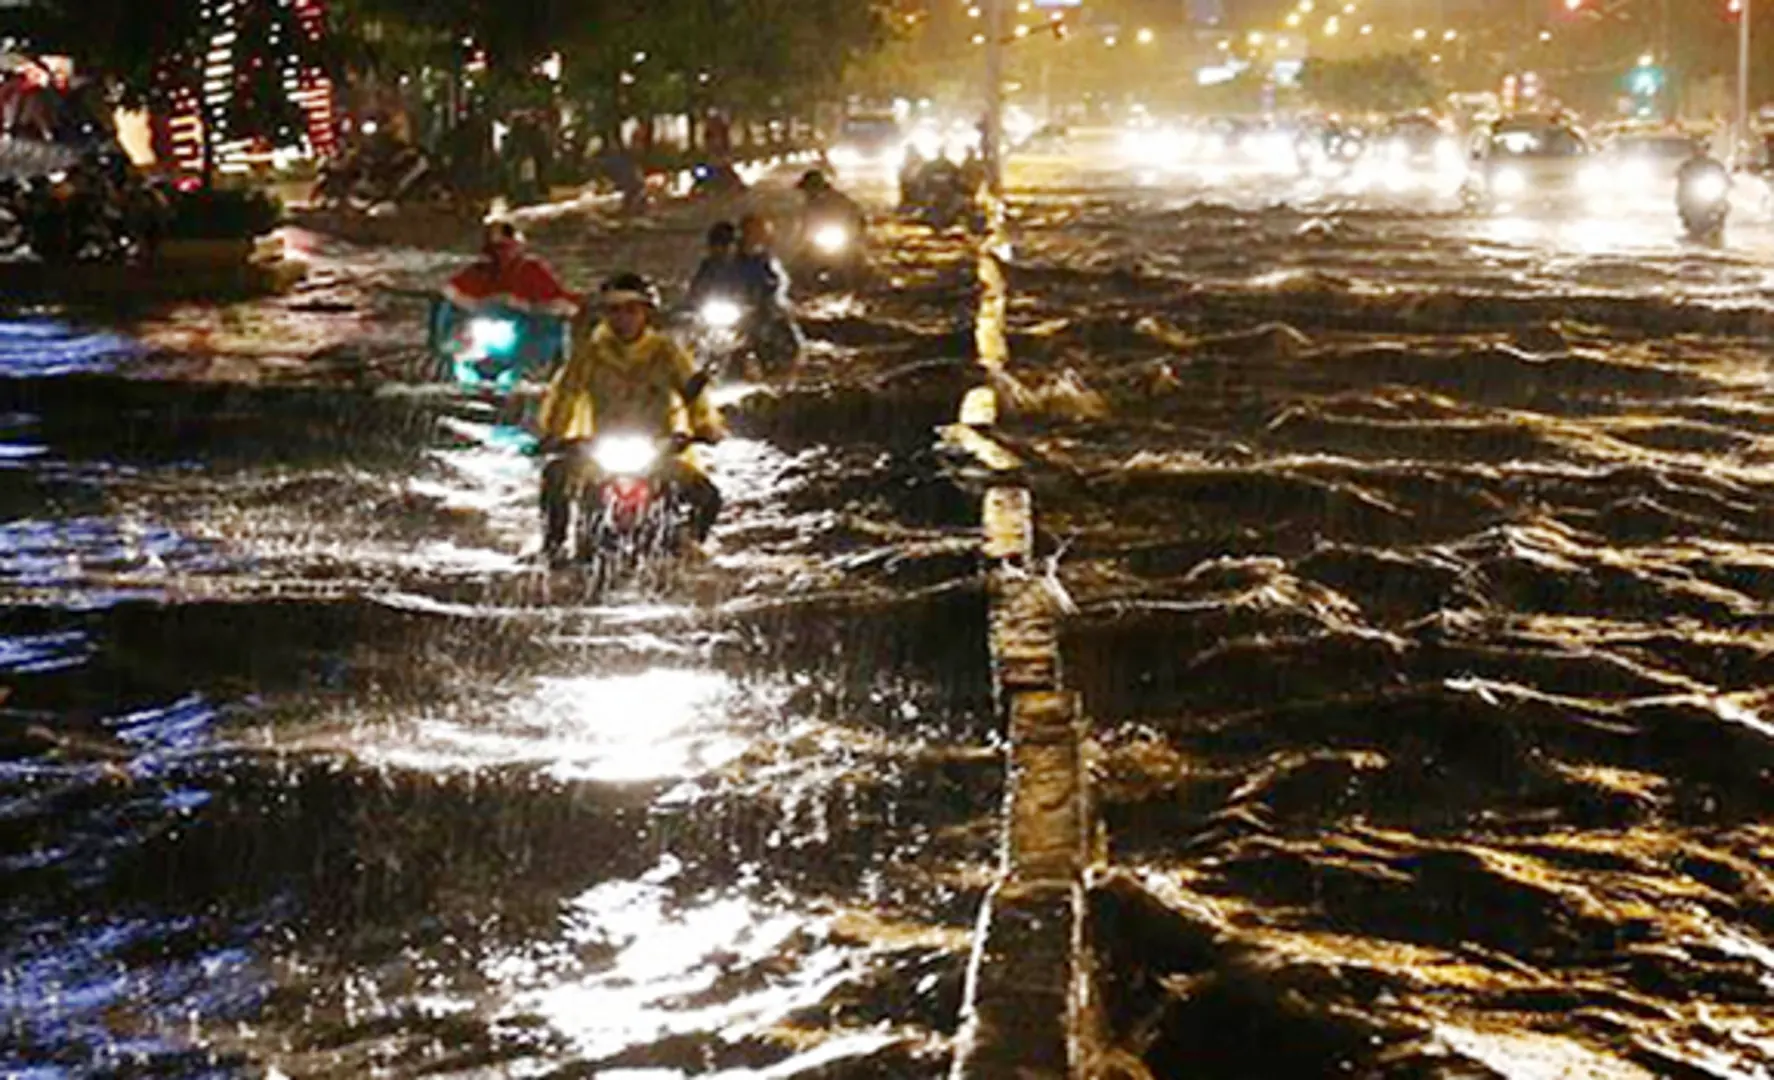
(1027, 1008)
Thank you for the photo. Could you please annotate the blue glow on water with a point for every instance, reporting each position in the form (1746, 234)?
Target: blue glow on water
(35, 552)
(35, 348)
(40, 653)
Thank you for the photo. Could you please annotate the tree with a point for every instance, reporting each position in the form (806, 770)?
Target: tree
(268, 41)
(1388, 83)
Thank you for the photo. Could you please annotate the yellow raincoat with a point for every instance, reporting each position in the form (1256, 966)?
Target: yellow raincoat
(629, 385)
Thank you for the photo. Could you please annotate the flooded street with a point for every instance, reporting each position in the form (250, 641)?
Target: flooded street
(307, 771)
(1419, 566)
(1416, 572)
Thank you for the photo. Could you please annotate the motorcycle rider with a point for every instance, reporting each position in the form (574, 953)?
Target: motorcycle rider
(973, 172)
(911, 179)
(764, 284)
(1700, 164)
(508, 274)
(625, 375)
(720, 270)
(765, 278)
(824, 203)
(942, 181)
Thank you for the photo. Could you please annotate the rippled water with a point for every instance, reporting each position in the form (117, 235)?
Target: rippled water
(1422, 611)
(304, 769)
(1418, 571)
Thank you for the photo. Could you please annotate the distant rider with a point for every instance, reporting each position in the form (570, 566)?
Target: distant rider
(766, 279)
(825, 204)
(624, 375)
(508, 275)
(941, 180)
(720, 271)
(911, 178)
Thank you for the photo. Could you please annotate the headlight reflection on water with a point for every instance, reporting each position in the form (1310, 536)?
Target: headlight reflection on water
(660, 724)
(662, 958)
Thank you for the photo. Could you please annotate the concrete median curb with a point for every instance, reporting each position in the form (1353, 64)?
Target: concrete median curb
(1026, 1007)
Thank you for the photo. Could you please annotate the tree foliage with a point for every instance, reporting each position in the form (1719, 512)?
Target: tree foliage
(626, 57)
(1388, 83)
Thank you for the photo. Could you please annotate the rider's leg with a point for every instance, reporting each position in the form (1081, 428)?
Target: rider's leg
(699, 494)
(557, 507)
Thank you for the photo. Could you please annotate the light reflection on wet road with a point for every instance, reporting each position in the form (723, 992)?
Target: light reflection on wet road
(306, 768)
(1422, 578)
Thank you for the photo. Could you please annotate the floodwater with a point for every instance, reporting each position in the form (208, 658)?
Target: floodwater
(1421, 604)
(1416, 568)
(305, 771)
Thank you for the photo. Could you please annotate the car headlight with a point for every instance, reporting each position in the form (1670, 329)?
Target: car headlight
(1509, 182)
(845, 157)
(1710, 187)
(492, 337)
(831, 239)
(625, 455)
(721, 314)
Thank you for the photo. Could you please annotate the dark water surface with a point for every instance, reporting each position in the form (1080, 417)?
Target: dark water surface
(304, 770)
(1421, 573)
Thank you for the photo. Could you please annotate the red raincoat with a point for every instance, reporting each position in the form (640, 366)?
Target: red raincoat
(513, 279)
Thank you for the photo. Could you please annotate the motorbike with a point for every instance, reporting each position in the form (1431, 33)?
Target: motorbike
(732, 337)
(831, 253)
(360, 180)
(623, 508)
(494, 348)
(949, 207)
(74, 216)
(1703, 201)
(715, 182)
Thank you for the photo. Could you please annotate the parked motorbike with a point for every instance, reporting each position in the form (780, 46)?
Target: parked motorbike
(359, 180)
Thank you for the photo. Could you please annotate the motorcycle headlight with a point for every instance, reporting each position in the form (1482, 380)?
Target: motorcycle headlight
(1509, 182)
(1709, 188)
(720, 314)
(492, 337)
(625, 455)
(831, 239)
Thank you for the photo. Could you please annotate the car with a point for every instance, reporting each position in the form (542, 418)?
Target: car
(869, 141)
(1329, 148)
(1416, 151)
(1527, 162)
(1639, 167)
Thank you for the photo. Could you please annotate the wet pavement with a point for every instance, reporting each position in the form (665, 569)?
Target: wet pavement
(1418, 571)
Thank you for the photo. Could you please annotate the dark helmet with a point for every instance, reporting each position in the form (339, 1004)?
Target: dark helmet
(628, 288)
(723, 234)
(813, 180)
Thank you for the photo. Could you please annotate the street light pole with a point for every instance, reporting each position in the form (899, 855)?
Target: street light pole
(992, 135)
(1741, 149)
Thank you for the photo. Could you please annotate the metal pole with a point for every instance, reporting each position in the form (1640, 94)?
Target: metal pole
(1664, 60)
(992, 137)
(1743, 142)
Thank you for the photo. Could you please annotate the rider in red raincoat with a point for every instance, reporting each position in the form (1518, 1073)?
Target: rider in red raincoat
(510, 277)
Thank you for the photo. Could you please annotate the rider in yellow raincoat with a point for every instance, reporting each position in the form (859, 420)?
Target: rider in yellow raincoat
(626, 376)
